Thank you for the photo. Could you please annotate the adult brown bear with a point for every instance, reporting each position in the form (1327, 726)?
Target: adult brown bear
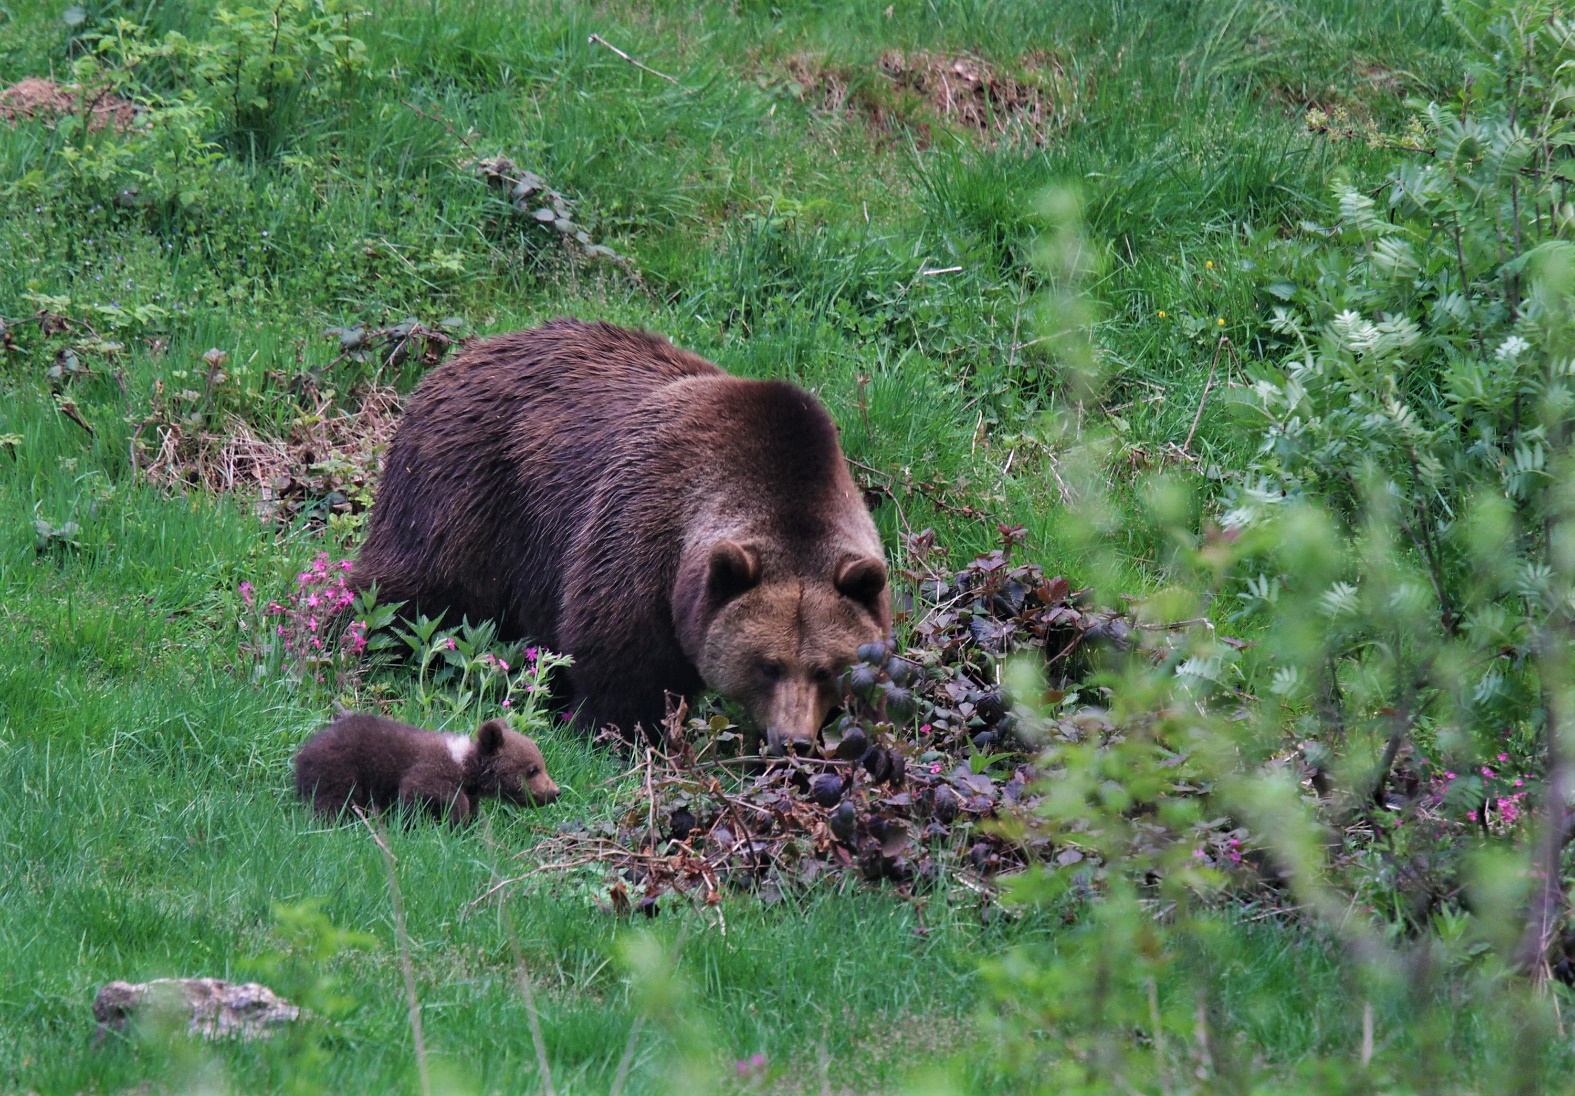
(600, 491)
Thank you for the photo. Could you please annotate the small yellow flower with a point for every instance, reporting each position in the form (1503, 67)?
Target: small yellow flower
(1162, 313)
(1220, 321)
(1209, 265)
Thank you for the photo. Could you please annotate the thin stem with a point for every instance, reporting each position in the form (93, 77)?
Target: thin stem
(1547, 905)
(627, 1059)
(522, 971)
(412, 1001)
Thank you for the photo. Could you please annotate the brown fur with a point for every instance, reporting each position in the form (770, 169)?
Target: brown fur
(372, 762)
(606, 494)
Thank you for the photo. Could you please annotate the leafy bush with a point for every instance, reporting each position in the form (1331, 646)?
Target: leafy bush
(1399, 554)
(255, 71)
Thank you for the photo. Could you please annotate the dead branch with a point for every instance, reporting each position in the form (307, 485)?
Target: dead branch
(598, 40)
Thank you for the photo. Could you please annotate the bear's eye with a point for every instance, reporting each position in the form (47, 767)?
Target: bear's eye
(822, 676)
(771, 670)
(532, 771)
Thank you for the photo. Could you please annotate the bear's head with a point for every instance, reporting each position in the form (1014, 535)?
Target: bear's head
(511, 767)
(765, 633)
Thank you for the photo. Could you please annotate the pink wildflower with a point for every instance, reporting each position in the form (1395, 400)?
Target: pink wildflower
(924, 729)
(531, 654)
(1503, 757)
(504, 666)
(246, 594)
(1448, 775)
(506, 703)
(1487, 772)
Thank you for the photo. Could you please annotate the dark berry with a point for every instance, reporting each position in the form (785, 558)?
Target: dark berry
(899, 704)
(862, 679)
(877, 762)
(854, 743)
(681, 823)
(900, 670)
(844, 822)
(826, 789)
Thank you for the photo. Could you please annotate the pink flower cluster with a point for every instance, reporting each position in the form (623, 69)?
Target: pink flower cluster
(306, 621)
(322, 594)
(1498, 812)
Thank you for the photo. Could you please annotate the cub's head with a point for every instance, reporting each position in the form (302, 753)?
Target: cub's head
(511, 766)
(775, 639)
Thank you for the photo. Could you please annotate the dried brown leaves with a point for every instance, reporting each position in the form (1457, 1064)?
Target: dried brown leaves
(910, 783)
(913, 89)
(326, 464)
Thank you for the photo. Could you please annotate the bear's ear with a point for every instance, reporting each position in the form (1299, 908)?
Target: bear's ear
(861, 579)
(489, 737)
(733, 569)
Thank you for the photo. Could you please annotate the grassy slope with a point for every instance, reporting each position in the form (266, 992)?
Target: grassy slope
(142, 791)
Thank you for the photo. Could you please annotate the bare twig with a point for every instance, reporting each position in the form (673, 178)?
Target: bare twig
(452, 132)
(1017, 317)
(412, 1001)
(1367, 1034)
(1158, 1022)
(597, 39)
(527, 989)
(1399, 732)
(627, 1058)
(1207, 388)
(136, 452)
(68, 407)
(929, 491)
(1547, 904)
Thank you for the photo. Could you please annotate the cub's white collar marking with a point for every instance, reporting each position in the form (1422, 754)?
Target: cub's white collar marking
(459, 747)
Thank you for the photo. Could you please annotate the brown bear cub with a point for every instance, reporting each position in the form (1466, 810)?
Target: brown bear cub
(670, 527)
(372, 762)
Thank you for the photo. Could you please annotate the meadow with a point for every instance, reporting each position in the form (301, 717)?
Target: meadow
(849, 194)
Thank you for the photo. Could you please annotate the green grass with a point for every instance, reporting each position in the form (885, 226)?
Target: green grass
(144, 802)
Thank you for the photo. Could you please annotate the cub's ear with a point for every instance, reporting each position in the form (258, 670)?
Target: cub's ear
(489, 736)
(732, 570)
(861, 579)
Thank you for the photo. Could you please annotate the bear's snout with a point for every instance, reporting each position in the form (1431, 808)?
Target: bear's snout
(780, 743)
(543, 793)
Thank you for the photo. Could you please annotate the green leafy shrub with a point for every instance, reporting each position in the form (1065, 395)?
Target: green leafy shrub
(1398, 553)
(256, 71)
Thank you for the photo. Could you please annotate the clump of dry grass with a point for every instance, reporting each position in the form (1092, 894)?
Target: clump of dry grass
(328, 462)
(44, 100)
(917, 88)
